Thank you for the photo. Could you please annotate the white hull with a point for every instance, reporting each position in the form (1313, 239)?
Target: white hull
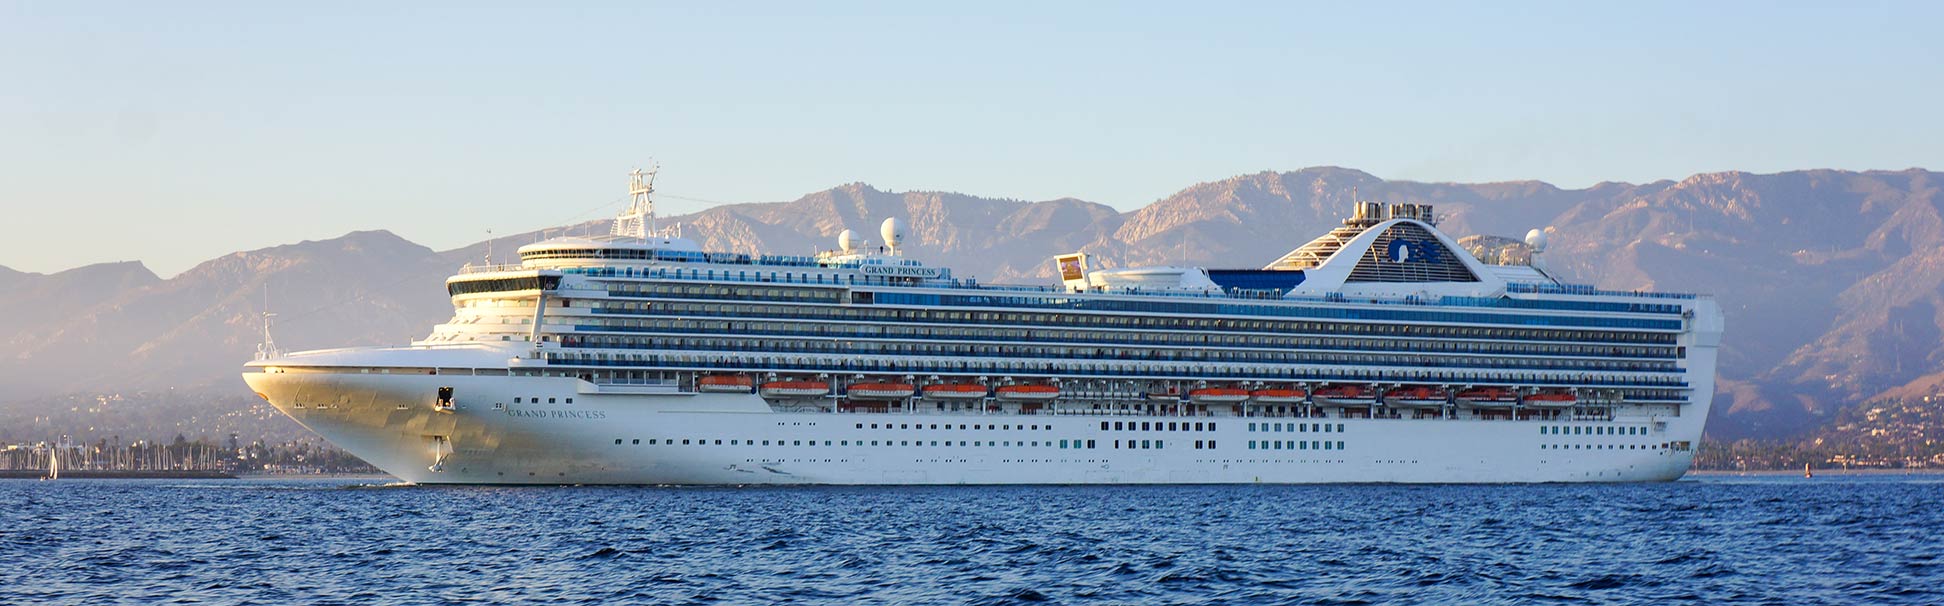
(388, 421)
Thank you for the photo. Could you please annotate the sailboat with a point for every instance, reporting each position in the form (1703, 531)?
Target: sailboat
(1805, 471)
(53, 464)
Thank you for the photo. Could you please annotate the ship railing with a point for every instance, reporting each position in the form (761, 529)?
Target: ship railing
(823, 279)
(1148, 374)
(970, 284)
(1586, 289)
(597, 328)
(498, 267)
(1630, 365)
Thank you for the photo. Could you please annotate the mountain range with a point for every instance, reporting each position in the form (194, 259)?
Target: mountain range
(1833, 281)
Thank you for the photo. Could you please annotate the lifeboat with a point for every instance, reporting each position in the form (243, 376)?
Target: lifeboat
(1028, 393)
(1416, 396)
(1171, 394)
(1345, 395)
(1218, 395)
(955, 391)
(1279, 396)
(1488, 397)
(1551, 399)
(881, 391)
(724, 384)
(794, 389)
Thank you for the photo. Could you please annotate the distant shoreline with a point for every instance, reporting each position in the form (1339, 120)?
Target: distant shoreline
(317, 476)
(1820, 472)
(109, 474)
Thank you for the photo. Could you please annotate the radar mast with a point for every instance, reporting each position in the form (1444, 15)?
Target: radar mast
(268, 348)
(638, 221)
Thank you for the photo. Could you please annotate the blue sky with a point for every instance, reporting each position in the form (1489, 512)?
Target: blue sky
(175, 132)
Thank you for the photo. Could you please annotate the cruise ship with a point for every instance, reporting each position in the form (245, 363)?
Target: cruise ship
(1381, 351)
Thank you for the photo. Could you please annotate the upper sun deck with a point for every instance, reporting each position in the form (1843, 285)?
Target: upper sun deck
(601, 259)
(584, 253)
(1393, 255)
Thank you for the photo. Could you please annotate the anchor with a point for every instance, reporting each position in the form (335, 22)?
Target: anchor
(441, 448)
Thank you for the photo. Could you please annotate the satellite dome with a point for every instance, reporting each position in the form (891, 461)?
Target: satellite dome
(892, 231)
(847, 240)
(1536, 239)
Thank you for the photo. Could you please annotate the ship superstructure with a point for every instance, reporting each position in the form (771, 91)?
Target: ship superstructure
(1380, 352)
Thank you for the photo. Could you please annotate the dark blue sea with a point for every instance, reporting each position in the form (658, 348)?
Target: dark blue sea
(1715, 539)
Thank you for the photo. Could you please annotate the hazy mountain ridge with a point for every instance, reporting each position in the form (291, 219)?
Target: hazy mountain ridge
(1833, 280)
(197, 327)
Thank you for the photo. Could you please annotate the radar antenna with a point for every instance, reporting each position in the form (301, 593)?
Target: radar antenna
(638, 221)
(268, 348)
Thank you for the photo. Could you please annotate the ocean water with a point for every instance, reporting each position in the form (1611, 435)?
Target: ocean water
(1714, 539)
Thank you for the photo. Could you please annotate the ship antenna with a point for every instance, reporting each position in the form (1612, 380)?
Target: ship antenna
(268, 348)
(638, 220)
(489, 248)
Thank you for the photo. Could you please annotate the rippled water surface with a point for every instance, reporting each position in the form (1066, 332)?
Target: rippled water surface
(1778, 540)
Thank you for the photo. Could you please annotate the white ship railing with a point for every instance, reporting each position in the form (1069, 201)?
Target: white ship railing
(482, 269)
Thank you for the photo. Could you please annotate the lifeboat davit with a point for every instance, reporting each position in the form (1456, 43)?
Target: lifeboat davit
(1488, 397)
(881, 391)
(1551, 399)
(1028, 393)
(1279, 396)
(724, 384)
(1345, 395)
(794, 389)
(955, 391)
(1218, 395)
(1416, 396)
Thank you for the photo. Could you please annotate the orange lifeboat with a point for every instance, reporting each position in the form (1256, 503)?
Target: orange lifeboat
(1416, 396)
(955, 391)
(724, 384)
(881, 391)
(1028, 393)
(1552, 399)
(794, 389)
(1488, 397)
(1345, 395)
(1279, 396)
(1218, 395)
